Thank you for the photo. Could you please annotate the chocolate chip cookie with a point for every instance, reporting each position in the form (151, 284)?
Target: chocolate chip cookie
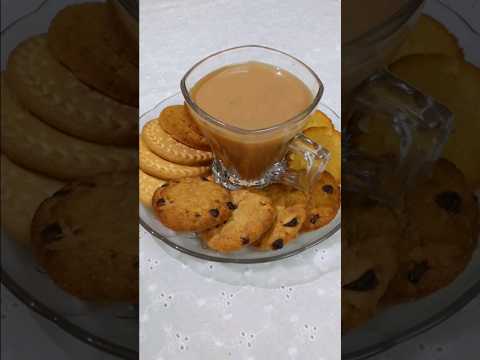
(323, 203)
(441, 233)
(288, 223)
(367, 269)
(192, 204)
(252, 215)
(85, 237)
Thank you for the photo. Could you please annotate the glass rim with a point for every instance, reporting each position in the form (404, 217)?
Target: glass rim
(213, 120)
(402, 14)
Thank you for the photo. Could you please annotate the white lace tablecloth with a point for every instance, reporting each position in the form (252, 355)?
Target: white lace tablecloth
(192, 309)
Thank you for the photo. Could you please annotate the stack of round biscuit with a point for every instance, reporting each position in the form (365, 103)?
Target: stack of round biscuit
(171, 147)
(69, 152)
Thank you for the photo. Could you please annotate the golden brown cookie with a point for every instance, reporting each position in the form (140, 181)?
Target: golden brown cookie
(147, 186)
(367, 269)
(50, 91)
(86, 238)
(170, 149)
(323, 204)
(370, 239)
(286, 196)
(192, 204)
(86, 38)
(22, 193)
(286, 228)
(160, 168)
(177, 122)
(31, 143)
(442, 232)
(253, 215)
(368, 218)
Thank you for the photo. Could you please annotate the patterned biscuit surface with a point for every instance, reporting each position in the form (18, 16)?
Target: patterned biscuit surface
(158, 167)
(170, 149)
(147, 186)
(33, 144)
(22, 192)
(88, 40)
(50, 91)
(177, 122)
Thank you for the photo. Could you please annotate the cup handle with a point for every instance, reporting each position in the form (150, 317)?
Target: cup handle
(315, 158)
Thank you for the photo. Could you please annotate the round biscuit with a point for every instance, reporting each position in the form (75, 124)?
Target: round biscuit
(160, 168)
(177, 122)
(50, 91)
(88, 39)
(147, 186)
(170, 149)
(35, 145)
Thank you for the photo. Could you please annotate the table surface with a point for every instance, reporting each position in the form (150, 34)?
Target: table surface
(201, 313)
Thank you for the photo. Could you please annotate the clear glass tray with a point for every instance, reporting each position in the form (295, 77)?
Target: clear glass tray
(397, 324)
(111, 328)
(190, 244)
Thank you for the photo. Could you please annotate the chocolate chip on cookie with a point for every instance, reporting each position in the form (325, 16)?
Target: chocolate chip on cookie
(192, 204)
(51, 232)
(417, 271)
(366, 282)
(231, 205)
(277, 244)
(449, 201)
(292, 223)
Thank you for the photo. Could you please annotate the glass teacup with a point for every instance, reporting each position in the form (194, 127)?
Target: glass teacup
(256, 158)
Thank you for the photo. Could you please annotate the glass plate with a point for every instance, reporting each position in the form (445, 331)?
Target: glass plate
(112, 328)
(189, 243)
(397, 324)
